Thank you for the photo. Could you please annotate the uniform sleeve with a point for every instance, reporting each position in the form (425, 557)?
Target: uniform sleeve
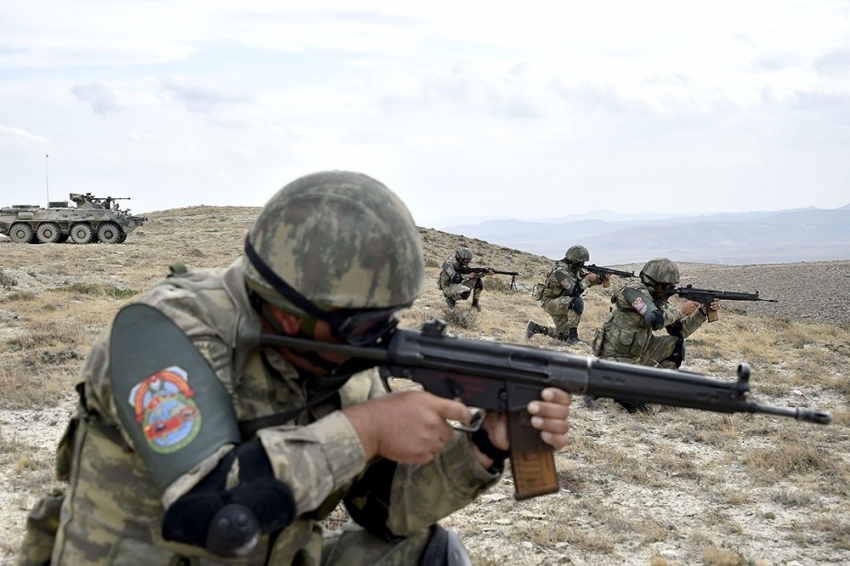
(316, 460)
(566, 280)
(422, 495)
(692, 322)
(325, 457)
(183, 308)
(392, 499)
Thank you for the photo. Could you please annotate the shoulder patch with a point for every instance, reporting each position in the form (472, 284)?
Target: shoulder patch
(165, 409)
(167, 396)
(639, 305)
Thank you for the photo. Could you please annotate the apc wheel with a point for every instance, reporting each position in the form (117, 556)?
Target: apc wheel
(122, 238)
(21, 233)
(82, 234)
(110, 233)
(48, 233)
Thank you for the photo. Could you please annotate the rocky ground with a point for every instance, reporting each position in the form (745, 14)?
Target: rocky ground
(674, 488)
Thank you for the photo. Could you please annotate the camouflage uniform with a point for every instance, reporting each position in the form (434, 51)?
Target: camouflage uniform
(114, 508)
(626, 337)
(112, 512)
(561, 296)
(455, 286)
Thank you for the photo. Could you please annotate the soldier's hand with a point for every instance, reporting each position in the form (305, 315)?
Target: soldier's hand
(549, 416)
(490, 272)
(592, 277)
(688, 307)
(714, 306)
(406, 426)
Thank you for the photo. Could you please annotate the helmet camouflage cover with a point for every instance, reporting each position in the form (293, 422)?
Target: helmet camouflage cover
(660, 270)
(463, 253)
(341, 239)
(578, 254)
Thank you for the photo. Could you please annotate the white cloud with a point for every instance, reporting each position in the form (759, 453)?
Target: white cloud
(540, 109)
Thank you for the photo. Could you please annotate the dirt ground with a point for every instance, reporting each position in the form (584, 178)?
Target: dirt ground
(677, 487)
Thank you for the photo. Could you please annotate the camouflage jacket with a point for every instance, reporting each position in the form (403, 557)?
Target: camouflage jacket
(626, 332)
(447, 272)
(564, 280)
(114, 511)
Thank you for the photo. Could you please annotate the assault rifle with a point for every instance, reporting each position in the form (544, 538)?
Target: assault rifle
(598, 270)
(506, 377)
(513, 274)
(706, 296)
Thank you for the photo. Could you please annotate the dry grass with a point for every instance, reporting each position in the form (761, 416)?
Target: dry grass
(672, 488)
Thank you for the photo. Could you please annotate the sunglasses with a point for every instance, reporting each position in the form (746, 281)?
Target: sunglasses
(356, 327)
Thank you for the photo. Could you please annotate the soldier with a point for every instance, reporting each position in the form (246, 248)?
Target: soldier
(457, 286)
(639, 309)
(561, 296)
(289, 433)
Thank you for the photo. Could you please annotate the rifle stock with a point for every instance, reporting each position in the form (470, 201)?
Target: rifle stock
(505, 377)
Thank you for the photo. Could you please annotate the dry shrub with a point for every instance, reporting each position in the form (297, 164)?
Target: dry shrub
(793, 457)
(835, 527)
(7, 281)
(794, 497)
(97, 290)
(716, 556)
(19, 297)
(461, 317)
(734, 496)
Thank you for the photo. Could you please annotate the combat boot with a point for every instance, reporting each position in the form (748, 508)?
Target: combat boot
(572, 337)
(531, 329)
(475, 305)
(450, 302)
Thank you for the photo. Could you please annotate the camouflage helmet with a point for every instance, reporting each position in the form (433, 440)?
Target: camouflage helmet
(463, 253)
(660, 270)
(341, 239)
(577, 254)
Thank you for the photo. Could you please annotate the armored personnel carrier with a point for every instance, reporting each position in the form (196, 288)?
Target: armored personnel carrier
(92, 219)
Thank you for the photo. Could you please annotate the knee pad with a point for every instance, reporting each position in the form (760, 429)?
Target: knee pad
(578, 305)
(479, 283)
(465, 294)
(678, 355)
(444, 548)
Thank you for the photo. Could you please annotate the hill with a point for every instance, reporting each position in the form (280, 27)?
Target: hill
(674, 488)
(789, 236)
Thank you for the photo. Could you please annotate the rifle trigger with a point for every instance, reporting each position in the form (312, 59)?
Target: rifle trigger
(474, 425)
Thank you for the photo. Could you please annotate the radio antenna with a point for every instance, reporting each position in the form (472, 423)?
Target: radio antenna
(46, 179)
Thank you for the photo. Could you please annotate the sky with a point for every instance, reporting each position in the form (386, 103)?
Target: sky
(529, 110)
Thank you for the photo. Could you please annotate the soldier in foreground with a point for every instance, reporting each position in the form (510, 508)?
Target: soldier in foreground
(639, 309)
(234, 454)
(457, 286)
(561, 296)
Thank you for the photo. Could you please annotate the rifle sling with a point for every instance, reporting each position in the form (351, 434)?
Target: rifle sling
(248, 429)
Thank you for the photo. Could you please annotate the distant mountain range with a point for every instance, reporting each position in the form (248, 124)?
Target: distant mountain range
(788, 236)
